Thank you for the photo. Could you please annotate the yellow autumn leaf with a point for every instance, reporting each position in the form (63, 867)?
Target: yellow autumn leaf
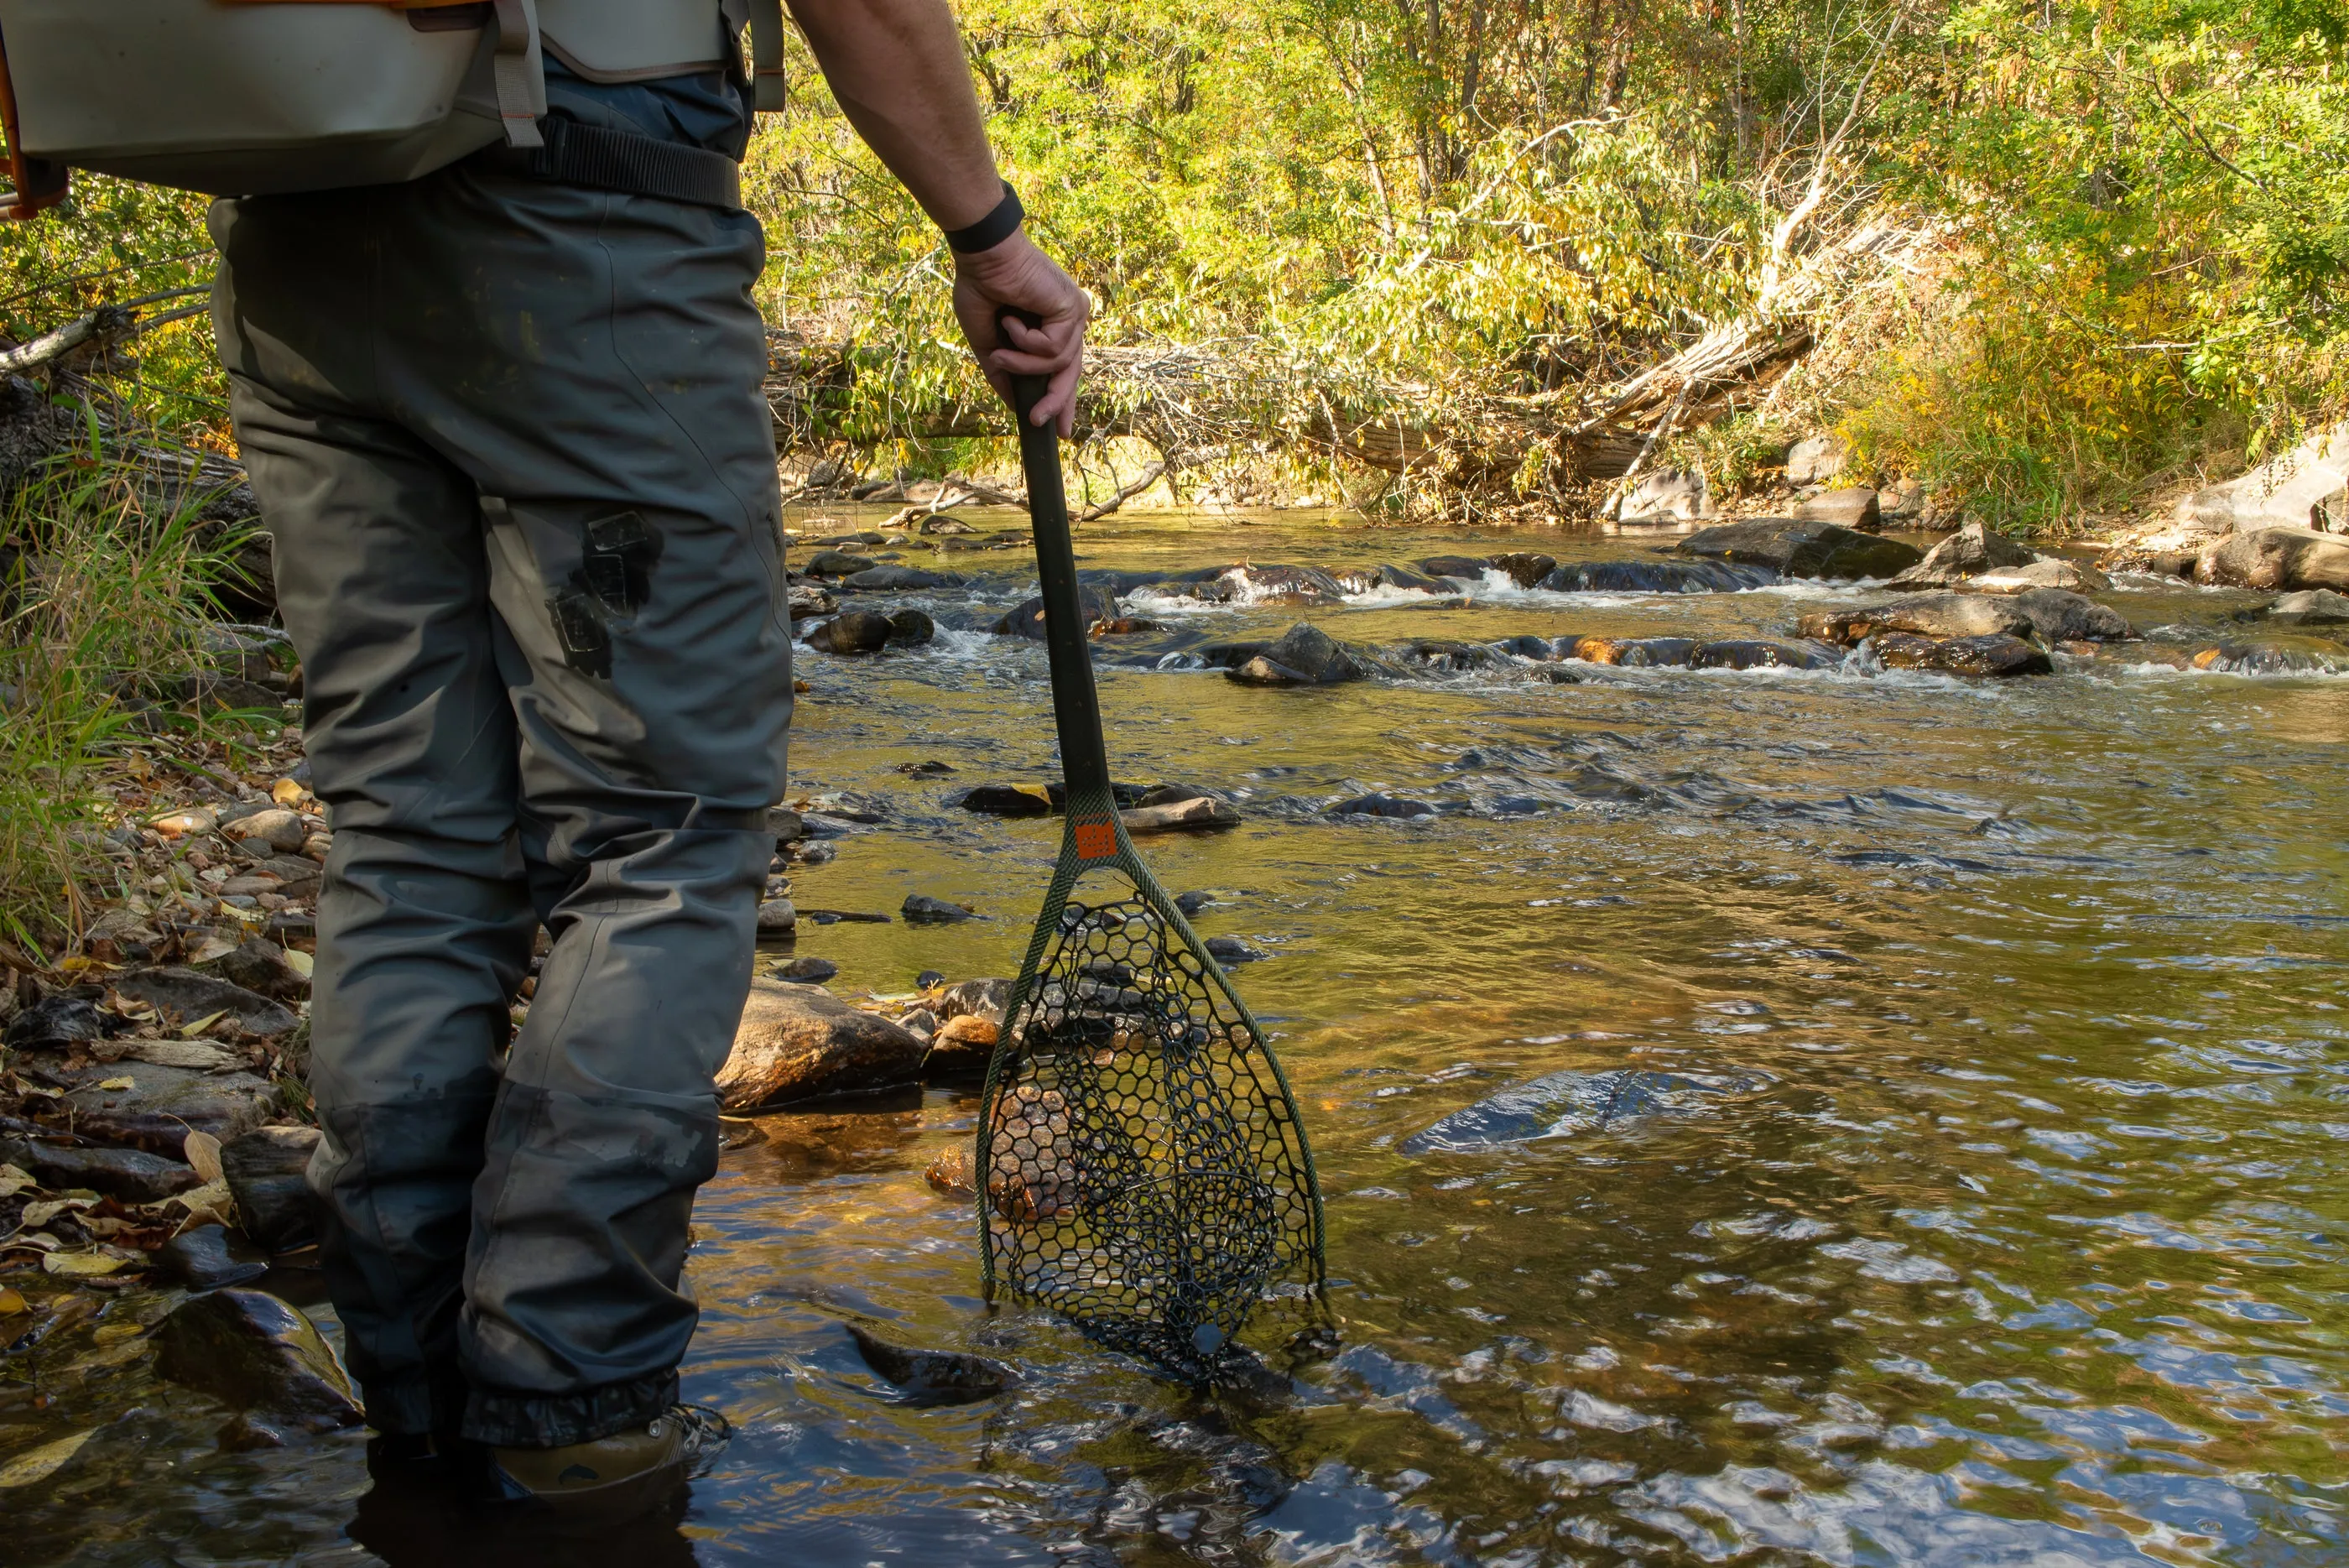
(43, 1462)
(298, 961)
(40, 1214)
(117, 1083)
(81, 1265)
(201, 1151)
(11, 1302)
(190, 1031)
(14, 1179)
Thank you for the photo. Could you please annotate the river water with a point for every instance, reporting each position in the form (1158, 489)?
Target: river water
(2015, 1232)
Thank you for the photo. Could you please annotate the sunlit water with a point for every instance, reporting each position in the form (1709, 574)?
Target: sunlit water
(2030, 1248)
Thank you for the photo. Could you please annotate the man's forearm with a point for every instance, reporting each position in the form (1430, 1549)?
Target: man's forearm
(896, 69)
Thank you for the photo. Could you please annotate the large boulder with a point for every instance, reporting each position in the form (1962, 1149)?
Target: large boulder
(1666, 495)
(1970, 552)
(1097, 602)
(2307, 487)
(2277, 559)
(1306, 650)
(2310, 607)
(2060, 616)
(1798, 548)
(1996, 657)
(249, 1350)
(1656, 577)
(798, 1043)
(858, 631)
(1925, 614)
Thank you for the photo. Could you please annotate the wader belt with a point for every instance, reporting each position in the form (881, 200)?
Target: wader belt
(576, 154)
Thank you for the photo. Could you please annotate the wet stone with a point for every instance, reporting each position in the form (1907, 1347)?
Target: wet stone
(897, 579)
(1201, 813)
(209, 1257)
(1635, 651)
(922, 909)
(1801, 548)
(1009, 800)
(1658, 577)
(804, 971)
(249, 1350)
(1379, 806)
(1524, 567)
(1922, 615)
(266, 1170)
(838, 563)
(1763, 654)
(1998, 657)
(933, 1378)
(1231, 950)
(246, 1433)
(60, 1020)
(960, 1049)
(128, 1174)
(955, 1172)
(857, 631)
(1263, 671)
(1098, 603)
(800, 1043)
(1470, 567)
(2311, 607)
(986, 999)
(1403, 577)
(1562, 1105)
(2057, 615)
(911, 629)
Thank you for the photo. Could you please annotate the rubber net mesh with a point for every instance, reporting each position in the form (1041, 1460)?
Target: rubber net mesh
(1145, 1175)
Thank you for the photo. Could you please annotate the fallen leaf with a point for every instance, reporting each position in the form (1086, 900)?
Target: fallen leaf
(11, 1302)
(118, 1083)
(40, 1240)
(40, 1214)
(111, 1333)
(211, 948)
(286, 792)
(14, 1180)
(40, 1090)
(210, 1202)
(80, 1264)
(43, 1462)
(190, 1031)
(298, 961)
(203, 1153)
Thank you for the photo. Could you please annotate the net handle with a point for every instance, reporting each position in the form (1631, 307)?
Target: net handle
(1076, 707)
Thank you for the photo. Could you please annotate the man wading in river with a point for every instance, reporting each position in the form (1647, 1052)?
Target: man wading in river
(505, 425)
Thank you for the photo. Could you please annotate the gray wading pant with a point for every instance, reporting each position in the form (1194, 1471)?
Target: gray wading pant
(509, 440)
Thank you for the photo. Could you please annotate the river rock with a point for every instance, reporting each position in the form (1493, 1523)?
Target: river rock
(911, 629)
(2274, 656)
(857, 631)
(2286, 558)
(933, 1378)
(1657, 577)
(804, 971)
(129, 1174)
(248, 1349)
(2302, 489)
(1857, 510)
(1467, 568)
(1797, 548)
(1009, 800)
(2060, 616)
(277, 827)
(1231, 950)
(1262, 671)
(1281, 585)
(955, 1171)
(1394, 576)
(1997, 657)
(1203, 813)
(1763, 653)
(887, 579)
(1525, 569)
(209, 1257)
(778, 918)
(266, 1170)
(1669, 494)
(1563, 1104)
(1815, 460)
(1634, 651)
(961, 1048)
(2047, 572)
(1379, 806)
(799, 1041)
(165, 1104)
(985, 999)
(920, 909)
(2310, 607)
(838, 563)
(1098, 604)
(1452, 658)
(1926, 615)
(61, 1019)
(187, 995)
(1306, 650)
(261, 966)
(808, 601)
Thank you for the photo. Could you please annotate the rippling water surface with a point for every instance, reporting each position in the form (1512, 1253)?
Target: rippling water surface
(2017, 1233)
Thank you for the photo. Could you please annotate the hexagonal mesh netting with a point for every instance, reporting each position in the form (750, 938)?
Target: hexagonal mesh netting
(1142, 1167)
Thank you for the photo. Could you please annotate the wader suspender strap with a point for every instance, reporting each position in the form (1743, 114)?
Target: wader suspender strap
(518, 105)
(766, 56)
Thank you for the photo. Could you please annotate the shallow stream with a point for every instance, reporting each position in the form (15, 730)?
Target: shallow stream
(2016, 1233)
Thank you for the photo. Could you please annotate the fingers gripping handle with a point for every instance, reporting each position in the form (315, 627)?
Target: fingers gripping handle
(1084, 762)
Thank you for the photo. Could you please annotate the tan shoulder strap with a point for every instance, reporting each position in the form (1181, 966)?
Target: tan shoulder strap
(519, 72)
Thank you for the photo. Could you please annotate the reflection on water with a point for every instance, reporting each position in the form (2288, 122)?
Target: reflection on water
(2021, 1238)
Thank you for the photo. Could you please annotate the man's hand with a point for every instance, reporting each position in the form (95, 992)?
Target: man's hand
(1016, 276)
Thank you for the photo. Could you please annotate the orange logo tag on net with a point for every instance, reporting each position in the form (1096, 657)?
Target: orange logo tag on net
(1096, 840)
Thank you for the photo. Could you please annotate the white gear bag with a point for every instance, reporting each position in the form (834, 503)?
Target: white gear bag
(260, 96)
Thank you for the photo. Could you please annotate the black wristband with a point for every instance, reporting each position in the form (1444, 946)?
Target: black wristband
(992, 229)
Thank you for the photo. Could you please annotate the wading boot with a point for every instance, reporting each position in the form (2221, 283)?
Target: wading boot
(615, 1476)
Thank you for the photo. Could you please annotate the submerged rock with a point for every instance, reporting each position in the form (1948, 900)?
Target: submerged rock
(798, 1043)
(1394, 576)
(1996, 657)
(1924, 615)
(1097, 601)
(920, 909)
(128, 1174)
(1279, 585)
(1657, 577)
(911, 629)
(2287, 558)
(955, 1172)
(2057, 615)
(857, 631)
(264, 1169)
(932, 1377)
(2274, 656)
(1763, 653)
(209, 1257)
(1379, 806)
(1306, 654)
(961, 1048)
(1469, 568)
(1563, 1103)
(249, 1349)
(1009, 800)
(1634, 651)
(2310, 607)
(1797, 548)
